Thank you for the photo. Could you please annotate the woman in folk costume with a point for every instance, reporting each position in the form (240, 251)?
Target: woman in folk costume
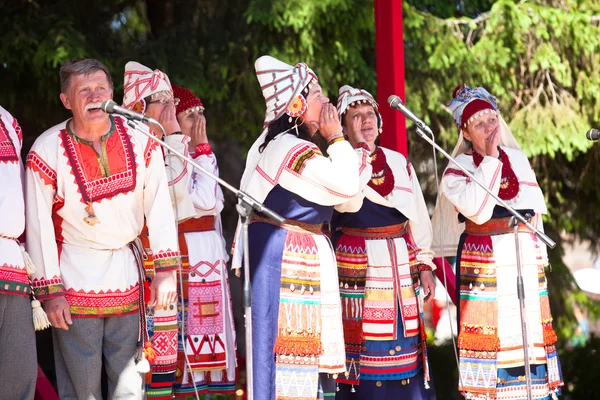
(298, 343)
(209, 329)
(477, 228)
(205, 361)
(382, 240)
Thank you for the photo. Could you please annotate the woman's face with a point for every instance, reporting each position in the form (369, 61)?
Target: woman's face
(360, 121)
(480, 129)
(315, 101)
(187, 119)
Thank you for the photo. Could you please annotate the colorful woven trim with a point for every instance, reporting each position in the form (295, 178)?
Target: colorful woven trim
(298, 344)
(495, 226)
(382, 232)
(202, 149)
(338, 137)
(351, 256)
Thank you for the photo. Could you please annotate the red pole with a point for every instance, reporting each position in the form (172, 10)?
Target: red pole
(389, 51)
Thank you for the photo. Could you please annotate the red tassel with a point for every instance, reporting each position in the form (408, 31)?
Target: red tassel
(549, 336)
(146, 291)
(298, 346)
(478, 342)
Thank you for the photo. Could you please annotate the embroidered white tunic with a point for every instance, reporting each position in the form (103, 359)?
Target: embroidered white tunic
(13, 277)
(92, 266)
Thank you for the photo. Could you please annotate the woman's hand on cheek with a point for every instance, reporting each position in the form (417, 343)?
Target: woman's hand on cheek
(329, 123)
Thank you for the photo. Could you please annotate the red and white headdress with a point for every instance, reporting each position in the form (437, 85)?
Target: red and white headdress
(141, 82)
(282, 87)
(188, 101)
(348, 96)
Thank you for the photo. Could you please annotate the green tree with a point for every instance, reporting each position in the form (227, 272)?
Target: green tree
(539, 57)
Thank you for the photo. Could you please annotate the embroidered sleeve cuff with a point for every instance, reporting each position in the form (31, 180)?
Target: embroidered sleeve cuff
(202, 149)
(47, 292)
(424, 267)
(166, 261)
(337, 137)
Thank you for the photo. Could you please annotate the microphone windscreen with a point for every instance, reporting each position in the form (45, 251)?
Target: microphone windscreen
(593, 134)
(393, 100)
(108, 106)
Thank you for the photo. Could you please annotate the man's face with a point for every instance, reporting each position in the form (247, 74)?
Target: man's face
(85, 95)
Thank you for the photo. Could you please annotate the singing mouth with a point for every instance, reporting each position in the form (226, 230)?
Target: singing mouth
(93, 107)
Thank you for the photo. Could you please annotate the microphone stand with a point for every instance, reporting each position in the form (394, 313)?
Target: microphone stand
(246, 204)
(514, 223)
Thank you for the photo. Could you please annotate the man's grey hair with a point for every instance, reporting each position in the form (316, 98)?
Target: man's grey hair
(85, 67)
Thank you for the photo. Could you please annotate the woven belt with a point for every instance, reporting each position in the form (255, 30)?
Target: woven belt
(380, 232)
(292, 225)
(495, 226)
(203, 224)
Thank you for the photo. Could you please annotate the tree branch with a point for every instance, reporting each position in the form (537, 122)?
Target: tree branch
(480, 18)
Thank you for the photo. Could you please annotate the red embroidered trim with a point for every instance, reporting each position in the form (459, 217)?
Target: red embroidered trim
(106, 187)
(8, 153)
(18, 130)
(150, 147)
(37, 164)
(509, 183)
(336, 138)
(202, 149)
(409, 169)
(297, 162)
(364, 146)
(382, 177)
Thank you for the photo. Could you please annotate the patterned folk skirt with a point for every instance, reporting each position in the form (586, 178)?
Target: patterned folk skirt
(383, 328)
(205, 362)
(297, 337)
(490, 339)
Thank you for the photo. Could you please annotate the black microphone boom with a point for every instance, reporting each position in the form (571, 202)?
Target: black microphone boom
(110, 107)
(395, 102)
(593, 134)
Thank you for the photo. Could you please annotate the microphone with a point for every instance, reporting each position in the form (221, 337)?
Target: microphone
(110, 107)
(593, 134)
(395, 102)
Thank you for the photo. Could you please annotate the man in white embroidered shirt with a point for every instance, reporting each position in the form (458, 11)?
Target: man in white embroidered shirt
(91, 181)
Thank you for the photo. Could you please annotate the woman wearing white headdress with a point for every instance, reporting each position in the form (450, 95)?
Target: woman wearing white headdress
(382, 239)
(476, 228)
(297, 329)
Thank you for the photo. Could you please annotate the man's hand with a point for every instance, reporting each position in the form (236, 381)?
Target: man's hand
(428, 285)
(58, 312)
(168, 119)
(198, 133)
(163, 290)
